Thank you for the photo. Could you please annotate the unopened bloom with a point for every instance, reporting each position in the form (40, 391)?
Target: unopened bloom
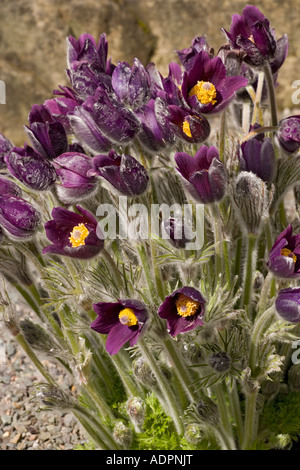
(284, 257)
(183, 309)
(72, 169)
(8, 187)
(287, 304)
(188, 126)
(73, 234)
(18, 217)
(186, 56)
(289, 133)
(258, 156)
(122, 321)
(123, 172)
(31, 168)
(204, 175)
(251, 32)
(48, 138)
(5, 146)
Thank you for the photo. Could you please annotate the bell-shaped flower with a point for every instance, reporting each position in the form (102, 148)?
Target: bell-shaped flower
(258, 156)
(287, 304)
(18, 218)
(203, 175)
(5, 147)
(284, 256)
(76, 235)
(122, 321)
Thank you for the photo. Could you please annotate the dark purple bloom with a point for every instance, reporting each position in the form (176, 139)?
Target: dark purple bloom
(183, 309)
(284, 257)
(18, 217)
(72, 169)
(204, 175)
(72, 234)
(131, 84)
(258, 156)
(206, 88)
(123, 172)
(176, 232)
(5, 146)
(8, 187)
(122, 321)
(186, 56)
(31, 168)
(48, 138)
(251, 32)
(287, 304)
(187, 126)
(289, 133)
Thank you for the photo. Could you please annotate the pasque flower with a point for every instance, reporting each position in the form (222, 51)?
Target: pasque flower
(204, 175)
(257, 155)
(122, 321)
(251, 32)
(9, 187)
(123, 172)
(73, 234)
(72, 169)
(284, 257)
(186, 56)
(48, 138)
(289, 133)
(183, 309)
(18, 217)
(5, 146)
(206, 88)
(31, 168)
(287, 304)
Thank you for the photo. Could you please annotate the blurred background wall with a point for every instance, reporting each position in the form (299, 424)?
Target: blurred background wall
(32, 41)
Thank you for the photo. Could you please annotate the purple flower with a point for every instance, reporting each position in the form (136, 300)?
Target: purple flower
(187, 56)
(187, 126)
(48, 138)
(122, 321)
(75, 184)
(287, 304)
(72, 234)
(206, 88)
(123, 172)
(289, 133)
(5, 146)
(251, 32)
(18, 217)
(284, 257)
(176, 232)
(183, 309)
(131, 84)
(8, 187)
(31, 168)
(257, 155)
(204, 175)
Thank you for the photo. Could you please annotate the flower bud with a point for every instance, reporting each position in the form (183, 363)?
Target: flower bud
(122, 434)
(9, 318)
(193, 433)
(270, 387)
(53, 397)
(143, 373)
(219, 361)
(37, 337)
(192, 352)
(258, 281)
(207, 411)
(294, 378)
(5, 146)
(136, 410)
(251, 199)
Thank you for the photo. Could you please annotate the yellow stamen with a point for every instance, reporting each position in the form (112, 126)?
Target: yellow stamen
(186, 129)
(127, 317)
(186, 306)
(78, 235)
(205, 92)
(289, 253)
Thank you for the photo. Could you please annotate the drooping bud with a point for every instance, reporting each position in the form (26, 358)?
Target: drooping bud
(38, 338)
(207, 411)
(54, 397)
(122, 434)
(219, 361)
(136, 410)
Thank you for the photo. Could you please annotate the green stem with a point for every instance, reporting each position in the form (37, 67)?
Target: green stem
(129, 385)
(218, 238)
(147, 271)
(259, 326)
(250, 267)
(222, 137)
(260, 83)
(235, 408)
(250, 420)
(272, 95)
(221, 401)
(109, 260)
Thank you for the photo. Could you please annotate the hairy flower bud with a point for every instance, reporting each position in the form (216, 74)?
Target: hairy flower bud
(219, 361)
(193, 433)
(143, 373)
(251, 198)
(9, 318)
(53, 397)
(207, 411)
(136, 410)
(37, 337)
(192, 352)
(122, 434)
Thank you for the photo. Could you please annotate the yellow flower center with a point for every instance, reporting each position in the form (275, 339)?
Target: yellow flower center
(78, 235)
(186, 306)
(127, 317)
(205, 92)
(289, 253)
(186, 129)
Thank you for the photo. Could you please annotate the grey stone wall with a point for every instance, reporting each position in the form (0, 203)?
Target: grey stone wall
(32, 41)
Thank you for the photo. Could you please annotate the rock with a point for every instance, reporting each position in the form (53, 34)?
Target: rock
(16, 438)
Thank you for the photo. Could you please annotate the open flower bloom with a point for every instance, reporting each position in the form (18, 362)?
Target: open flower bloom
(203, 175)
(206, 88)
(187, 126)
(289, 133)
(258, 156)
(284, 257)
(287, 304)
(251, 32)
(122, 321)
(123, 172)
(72, 234)
(183, 309)
(72, 169)
(31, 168)
(18, 217)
